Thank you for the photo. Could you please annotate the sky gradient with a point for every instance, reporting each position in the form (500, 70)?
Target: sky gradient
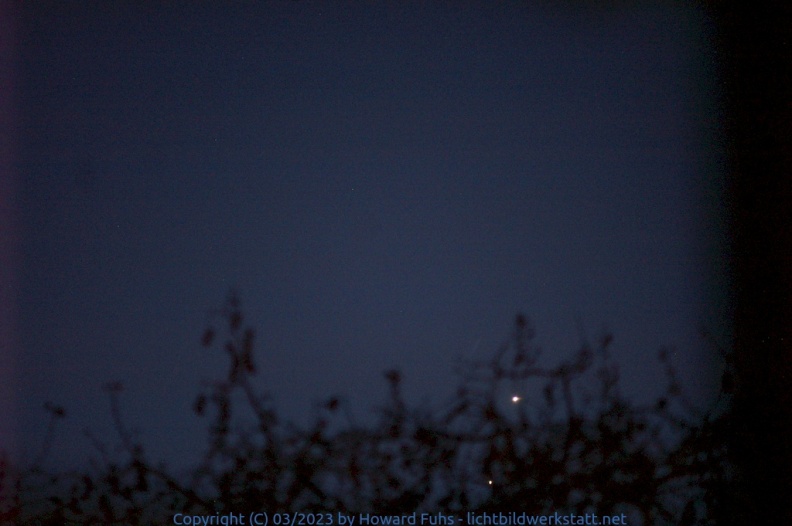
(384, 185)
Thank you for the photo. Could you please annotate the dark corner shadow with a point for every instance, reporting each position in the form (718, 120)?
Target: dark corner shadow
(756, 71)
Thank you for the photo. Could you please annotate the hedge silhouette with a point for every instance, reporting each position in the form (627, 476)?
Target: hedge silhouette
(571, 443)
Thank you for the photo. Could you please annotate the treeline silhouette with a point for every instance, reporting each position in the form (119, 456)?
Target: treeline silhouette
(517, 436)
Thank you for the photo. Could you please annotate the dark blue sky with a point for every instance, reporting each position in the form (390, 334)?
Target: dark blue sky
(385, 186)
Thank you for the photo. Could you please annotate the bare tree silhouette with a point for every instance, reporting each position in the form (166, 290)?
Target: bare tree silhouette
(518, 436)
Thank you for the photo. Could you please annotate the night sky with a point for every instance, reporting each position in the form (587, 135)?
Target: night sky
(384, 185)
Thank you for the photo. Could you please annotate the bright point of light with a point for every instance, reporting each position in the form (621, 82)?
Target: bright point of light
(489, 482)
(515, 399)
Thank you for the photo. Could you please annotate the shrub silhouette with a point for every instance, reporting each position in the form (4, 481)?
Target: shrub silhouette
(570, 442)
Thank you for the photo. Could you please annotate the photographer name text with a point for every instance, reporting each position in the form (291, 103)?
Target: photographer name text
(410, 519)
